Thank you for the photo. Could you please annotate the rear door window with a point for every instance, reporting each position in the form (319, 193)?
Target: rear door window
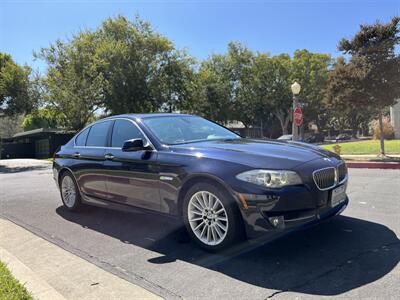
(98, 134)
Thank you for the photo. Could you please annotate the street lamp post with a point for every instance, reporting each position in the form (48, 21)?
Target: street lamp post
(295, 90)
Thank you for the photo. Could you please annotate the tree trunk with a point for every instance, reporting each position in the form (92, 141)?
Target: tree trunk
(382, 137)
(246, 130)
(354, 124)
(354, 129)
(282, 120)
(283, 126)
(365, 129)
(286, 124)
(302, 131)
(317, 124)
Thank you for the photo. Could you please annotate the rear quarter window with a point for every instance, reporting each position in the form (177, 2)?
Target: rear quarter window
(80, 140)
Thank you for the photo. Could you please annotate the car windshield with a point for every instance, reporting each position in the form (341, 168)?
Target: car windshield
(186, 129)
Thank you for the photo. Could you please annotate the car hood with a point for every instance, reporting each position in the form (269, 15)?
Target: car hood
(257, 153)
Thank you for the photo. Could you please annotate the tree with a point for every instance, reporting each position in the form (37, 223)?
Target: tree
(345, 94)
(121, 67)
(73, 84)
(224, 86)
(272, 86)
(311, 71)
(373, 48)
(142, 69)
(176, 82)
(15, 95)
(43, 118)
(10, 125)
(240, 62)
(213, 90)
(272, 77)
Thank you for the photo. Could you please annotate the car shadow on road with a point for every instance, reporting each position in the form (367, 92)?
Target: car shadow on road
(329, 259)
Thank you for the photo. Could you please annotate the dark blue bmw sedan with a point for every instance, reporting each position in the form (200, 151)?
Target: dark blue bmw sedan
(223, 186)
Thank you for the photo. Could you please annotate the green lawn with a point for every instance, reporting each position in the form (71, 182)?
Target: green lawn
(10, 288)
(48, 159)
(366, 147)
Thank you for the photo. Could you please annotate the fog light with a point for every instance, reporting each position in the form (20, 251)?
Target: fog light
(277, 221)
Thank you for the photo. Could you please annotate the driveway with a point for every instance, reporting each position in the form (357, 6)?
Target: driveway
(355, 255)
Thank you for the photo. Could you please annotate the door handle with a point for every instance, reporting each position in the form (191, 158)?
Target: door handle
(109, 156)
(77, 155)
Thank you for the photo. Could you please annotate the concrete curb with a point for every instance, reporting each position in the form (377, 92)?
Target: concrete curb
(372, 165)
(39, 288)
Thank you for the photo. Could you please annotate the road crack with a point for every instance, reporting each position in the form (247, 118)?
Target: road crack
(333, 269)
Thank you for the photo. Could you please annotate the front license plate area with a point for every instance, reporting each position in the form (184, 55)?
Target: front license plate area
(338, 195)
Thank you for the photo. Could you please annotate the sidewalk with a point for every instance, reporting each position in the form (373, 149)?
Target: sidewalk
(373, 165)
(366, 156)
(372, 161)
(52, 273)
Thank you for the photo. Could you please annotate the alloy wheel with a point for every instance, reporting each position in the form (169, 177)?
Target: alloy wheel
(208, 218)
(68, 191)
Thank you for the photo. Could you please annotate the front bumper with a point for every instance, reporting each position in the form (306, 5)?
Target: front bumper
(293, 209)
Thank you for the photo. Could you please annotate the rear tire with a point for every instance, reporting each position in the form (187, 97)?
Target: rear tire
(70, 194)
(211, 217)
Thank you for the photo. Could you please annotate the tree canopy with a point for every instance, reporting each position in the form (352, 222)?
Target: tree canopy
(15, 93)
(372, 77)
(254, 87)
(73, 85)
(124, 66)
(43, 118)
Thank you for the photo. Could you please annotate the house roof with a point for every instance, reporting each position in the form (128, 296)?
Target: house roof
(39, 131)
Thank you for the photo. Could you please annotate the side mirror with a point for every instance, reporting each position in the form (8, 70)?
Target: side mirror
(135, 145)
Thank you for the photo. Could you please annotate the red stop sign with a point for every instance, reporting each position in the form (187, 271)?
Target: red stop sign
(298, 116)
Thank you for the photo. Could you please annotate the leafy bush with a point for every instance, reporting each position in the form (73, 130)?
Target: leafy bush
(388, 130)
(43, 118)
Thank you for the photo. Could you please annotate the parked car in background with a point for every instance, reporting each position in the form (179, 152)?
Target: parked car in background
(223, 186)
(315, 138)
(343, 137)
(285, 137)
(311, 138)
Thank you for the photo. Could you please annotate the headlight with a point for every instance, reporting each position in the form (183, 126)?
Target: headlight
(270, 178)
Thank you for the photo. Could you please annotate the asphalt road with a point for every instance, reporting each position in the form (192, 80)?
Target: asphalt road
(355, 255)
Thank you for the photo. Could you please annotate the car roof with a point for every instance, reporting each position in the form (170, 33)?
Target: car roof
(151, 115)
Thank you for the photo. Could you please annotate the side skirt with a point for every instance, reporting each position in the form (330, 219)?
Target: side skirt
(123, 207)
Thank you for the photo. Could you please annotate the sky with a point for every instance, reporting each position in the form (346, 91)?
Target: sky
(200, 27)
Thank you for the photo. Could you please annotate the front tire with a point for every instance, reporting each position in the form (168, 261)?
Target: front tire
(211, 217)
(69, 192)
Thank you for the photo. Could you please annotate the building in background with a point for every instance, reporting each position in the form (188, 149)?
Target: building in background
(37, 143)
(395, 119)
